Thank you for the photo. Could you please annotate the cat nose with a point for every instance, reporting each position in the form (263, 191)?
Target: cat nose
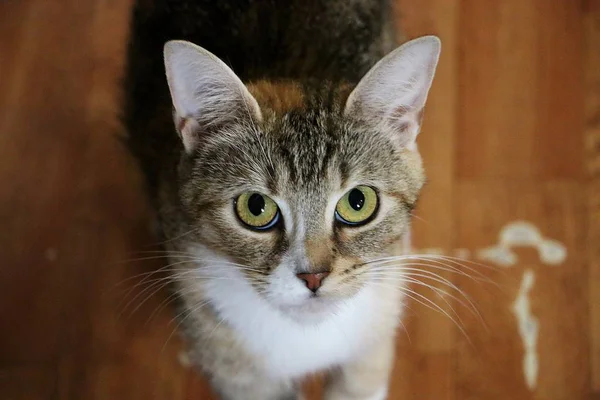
(313, 280)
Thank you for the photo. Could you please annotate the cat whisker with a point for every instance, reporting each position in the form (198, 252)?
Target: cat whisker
(158, 286)
(155, 285)
(215, 328)
(181, 292)
(435, 307)
(165, 268)
(143, 274)
(461, 262)
(442, 267)
(426, 302)
(188, 312)
(442, 294)
(405, 331)
(399, 272)
(401, 266)
(454, 264)
(419, 218)
(414, 272)
(389, 267)
(455, 260)
(469, 305)
(168, 268)
(150, 290)
(168, 300)
(177, 237)
(156, 257)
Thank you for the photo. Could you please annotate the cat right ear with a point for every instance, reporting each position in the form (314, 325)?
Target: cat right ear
(393, 93)
(205, 92)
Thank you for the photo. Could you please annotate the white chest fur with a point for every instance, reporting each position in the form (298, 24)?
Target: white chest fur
(290, 349)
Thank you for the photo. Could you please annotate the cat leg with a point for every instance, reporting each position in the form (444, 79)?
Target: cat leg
(233, 373)
(365, 378)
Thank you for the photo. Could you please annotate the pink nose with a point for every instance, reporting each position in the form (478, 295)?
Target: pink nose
(313, 281)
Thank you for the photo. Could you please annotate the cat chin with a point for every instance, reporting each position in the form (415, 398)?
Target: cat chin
(314, 309)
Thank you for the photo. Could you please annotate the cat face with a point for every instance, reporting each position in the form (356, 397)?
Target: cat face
(294, 188)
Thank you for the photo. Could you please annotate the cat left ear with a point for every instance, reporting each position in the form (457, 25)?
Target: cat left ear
(393, 93)
(205, 92)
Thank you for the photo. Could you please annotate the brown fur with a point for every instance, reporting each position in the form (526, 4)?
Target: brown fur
(279, 97)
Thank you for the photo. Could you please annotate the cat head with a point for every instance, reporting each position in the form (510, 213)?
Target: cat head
(292, 189)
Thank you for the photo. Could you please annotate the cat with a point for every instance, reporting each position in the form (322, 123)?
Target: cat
(281, 160)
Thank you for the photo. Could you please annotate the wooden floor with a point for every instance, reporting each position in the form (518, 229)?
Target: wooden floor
(512, 134)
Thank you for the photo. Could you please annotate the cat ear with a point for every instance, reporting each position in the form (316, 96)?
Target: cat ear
(394, 91)
(205, 92)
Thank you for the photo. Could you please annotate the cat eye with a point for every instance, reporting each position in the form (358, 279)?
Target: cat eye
(357, 207)
(256, 210)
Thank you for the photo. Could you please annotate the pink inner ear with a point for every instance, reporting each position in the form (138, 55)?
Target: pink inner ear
(406, 123)
(181, 125)
(402, 127)
(188, 129)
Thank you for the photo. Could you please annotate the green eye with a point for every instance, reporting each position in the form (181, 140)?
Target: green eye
(257, 210)
(357, 206)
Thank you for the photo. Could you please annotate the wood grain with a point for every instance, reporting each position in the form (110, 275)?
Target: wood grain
(511, 133)
(592, 145)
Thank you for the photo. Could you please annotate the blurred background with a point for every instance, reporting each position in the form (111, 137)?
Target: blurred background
(511, 144)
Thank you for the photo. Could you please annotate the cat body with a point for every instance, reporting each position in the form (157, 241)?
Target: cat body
(281, 160)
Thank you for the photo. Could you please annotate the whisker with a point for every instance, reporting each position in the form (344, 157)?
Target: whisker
(183, 291)
(455, 260)
(389, 266)
(163, 242)
(405, 331)
(151, 290)
(168, 300)
(145, 279)
(157, 257)
(215, 328)
(155, 285)
(440, 292)
(418, 272)
(454, 264)
(419, 218)
(441, 296)
(169, 268)
(428, 303)
(459, 261)
(436, 308)
(188, 312)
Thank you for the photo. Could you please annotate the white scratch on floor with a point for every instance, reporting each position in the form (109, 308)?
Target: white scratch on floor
(552, 252)
(528, 329)
(436, 251)
(523, 234)
(462, 253)
(520, 233)
(512, 235)
(499, 255)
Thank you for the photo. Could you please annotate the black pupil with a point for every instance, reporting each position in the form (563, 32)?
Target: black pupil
(356, 199)
(256, 204)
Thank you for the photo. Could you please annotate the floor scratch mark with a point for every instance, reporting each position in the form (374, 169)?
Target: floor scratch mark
(528, 329)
